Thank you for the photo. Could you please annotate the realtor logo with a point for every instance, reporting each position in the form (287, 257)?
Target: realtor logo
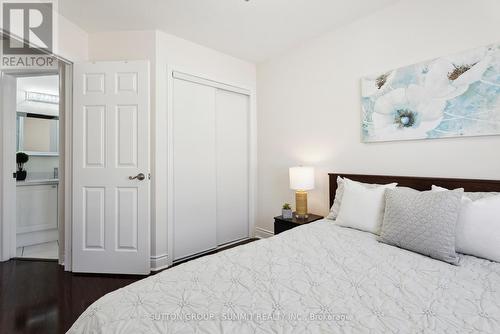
(29, 26)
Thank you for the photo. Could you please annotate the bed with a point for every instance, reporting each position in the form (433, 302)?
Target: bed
(316, 278)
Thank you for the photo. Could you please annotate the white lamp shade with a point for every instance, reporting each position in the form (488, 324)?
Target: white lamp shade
(301, 178)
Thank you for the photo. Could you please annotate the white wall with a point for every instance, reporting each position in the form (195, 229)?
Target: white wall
(166, 50)
(71, 41)
(40, 167)
(309, 101)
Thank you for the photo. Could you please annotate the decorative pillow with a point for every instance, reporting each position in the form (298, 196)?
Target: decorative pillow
(339, 193)
(423, 222)
(362, 208)
(479, 195)
(334, 210)
(478, 227)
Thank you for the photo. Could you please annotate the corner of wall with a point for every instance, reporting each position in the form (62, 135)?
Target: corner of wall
(159, 262)
(72, 41)
(262, 233)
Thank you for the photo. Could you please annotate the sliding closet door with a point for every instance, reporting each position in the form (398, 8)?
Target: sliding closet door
(194, 168)
(232, 148)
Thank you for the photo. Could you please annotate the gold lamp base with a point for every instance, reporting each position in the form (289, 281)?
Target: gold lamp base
(301, 204)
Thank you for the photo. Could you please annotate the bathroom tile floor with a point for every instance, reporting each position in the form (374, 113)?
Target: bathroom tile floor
(48, 250)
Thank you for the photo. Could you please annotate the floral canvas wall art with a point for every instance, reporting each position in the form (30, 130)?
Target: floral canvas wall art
(452, 96)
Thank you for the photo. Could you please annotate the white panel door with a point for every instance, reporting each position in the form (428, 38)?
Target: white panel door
(111, 226)
(193, 168)
(232, 142)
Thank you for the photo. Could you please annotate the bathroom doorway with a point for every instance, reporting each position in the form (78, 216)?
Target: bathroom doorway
(37, 160)
(33, 151)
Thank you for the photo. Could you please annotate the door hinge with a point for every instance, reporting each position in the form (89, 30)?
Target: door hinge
(14, 175)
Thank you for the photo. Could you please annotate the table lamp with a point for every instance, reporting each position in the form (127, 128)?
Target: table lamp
(301, 180)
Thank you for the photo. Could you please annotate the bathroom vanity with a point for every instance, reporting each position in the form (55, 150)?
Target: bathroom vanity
(37, 211)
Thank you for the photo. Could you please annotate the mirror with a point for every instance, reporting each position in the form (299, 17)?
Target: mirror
(37, 134)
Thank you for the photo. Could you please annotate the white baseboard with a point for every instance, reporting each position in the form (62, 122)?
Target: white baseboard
(210, 250)
(231, 243)
(263, 233)
(159, 262)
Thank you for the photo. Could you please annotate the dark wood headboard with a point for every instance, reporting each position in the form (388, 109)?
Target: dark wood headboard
(419, 183)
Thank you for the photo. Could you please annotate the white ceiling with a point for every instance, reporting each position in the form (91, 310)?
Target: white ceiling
(253, 30)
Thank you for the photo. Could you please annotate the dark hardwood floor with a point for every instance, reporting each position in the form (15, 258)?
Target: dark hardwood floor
(40, 297)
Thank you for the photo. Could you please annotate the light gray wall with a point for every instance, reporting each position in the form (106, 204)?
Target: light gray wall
(41, 167)
(309, 101)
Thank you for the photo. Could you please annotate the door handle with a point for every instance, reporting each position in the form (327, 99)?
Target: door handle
(139, 177)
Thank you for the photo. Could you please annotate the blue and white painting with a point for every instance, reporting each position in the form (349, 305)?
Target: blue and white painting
(452, 96)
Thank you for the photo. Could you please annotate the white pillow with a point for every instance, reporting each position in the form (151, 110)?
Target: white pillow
(478, 227)
(362, 208)
(334, 210)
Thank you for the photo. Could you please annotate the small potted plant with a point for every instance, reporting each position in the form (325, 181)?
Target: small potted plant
(287, 211)
(21, 159)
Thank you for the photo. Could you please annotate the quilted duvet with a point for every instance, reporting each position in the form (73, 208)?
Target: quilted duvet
(317, 278)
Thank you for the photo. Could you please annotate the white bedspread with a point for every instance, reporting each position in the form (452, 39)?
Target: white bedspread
(317, 278)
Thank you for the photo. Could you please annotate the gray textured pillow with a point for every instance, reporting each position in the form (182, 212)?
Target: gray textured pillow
(423, 222)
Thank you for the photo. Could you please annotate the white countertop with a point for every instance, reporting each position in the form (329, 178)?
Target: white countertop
(34, 182)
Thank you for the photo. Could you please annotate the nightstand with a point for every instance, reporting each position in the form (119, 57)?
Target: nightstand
(281, 224)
